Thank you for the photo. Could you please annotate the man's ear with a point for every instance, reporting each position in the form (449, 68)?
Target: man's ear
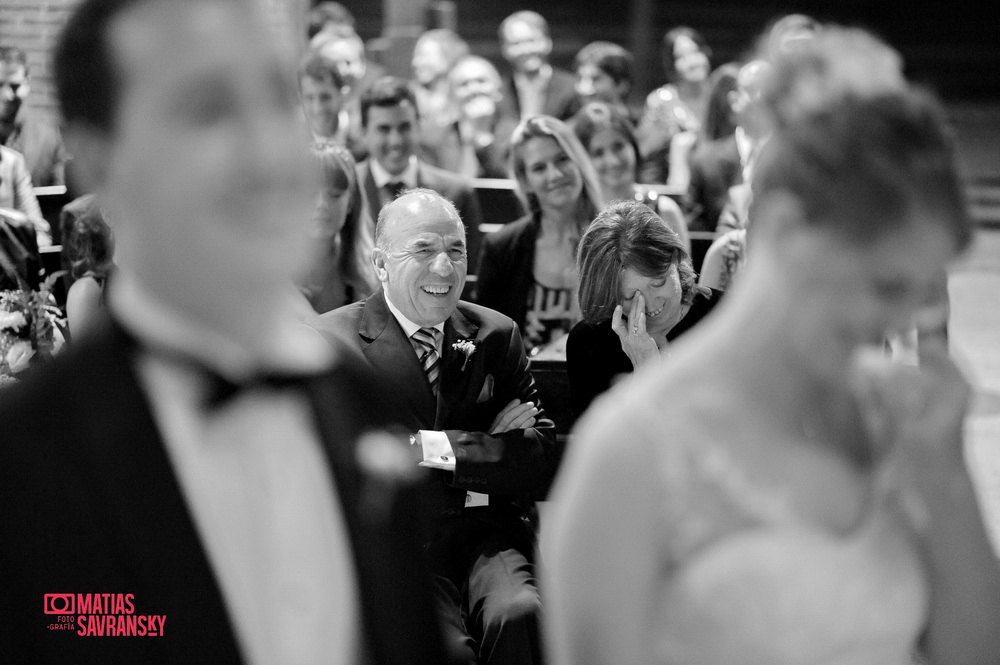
(91, 151)
(378, 259)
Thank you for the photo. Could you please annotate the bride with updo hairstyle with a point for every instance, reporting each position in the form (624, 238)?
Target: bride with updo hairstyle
(777, 491)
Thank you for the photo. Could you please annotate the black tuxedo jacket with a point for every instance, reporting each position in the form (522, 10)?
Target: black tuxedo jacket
(514, 468)
(89, 503)
(715, 168)
(452, 186)
(560, 99)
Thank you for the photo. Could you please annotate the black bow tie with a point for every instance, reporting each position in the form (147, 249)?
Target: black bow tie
(220, 390)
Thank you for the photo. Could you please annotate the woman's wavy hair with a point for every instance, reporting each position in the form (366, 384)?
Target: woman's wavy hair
(544, 126)
(667, 48)
(350, 241)
(628, 234)
(595, 117)
(719, 121)
(88, 244)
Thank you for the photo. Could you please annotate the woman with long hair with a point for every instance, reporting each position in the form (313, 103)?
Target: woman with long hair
(527, 270)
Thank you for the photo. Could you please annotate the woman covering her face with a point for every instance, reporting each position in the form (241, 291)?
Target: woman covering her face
(637, 295)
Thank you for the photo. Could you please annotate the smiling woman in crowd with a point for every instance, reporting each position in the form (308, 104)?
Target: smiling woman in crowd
(527, 270)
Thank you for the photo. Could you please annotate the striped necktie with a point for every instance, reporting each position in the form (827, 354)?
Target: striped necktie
(425, 344)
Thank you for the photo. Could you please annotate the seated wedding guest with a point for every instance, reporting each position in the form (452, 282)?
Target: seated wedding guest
(482, 132)
(343, 233)
(321, 89)
(608, 138)
(434, 55)
(675, 109)
(344, 48)
(778, 492)
(17, 196)
(224, 503)
(391, 124)
(88, 248)
(534, 86)
(36, 138)
(637, 295)
(527, 269)
(604, 74)
(20, 263)
(460, 382)
(718, 165)
(718, 123)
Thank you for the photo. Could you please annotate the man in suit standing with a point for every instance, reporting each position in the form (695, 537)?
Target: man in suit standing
(462, 386)
(726, 162)
(390, 122)
(535, 86)
(188, 473)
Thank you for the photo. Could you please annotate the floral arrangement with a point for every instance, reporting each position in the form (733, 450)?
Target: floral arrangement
(466, 347)
(29, 328)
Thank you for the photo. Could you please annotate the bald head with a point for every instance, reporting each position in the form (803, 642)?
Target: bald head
(411, 205)
(420, 256)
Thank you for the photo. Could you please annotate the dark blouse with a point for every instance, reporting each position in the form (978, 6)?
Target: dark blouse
(594, 355)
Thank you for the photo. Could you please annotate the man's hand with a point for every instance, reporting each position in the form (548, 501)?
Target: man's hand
(514, 416)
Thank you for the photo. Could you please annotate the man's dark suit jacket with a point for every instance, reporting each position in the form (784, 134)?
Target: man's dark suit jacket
(715, 168)
(90, 504)
(506, 265)
(452, 186)
(560, 99)
(514, 468)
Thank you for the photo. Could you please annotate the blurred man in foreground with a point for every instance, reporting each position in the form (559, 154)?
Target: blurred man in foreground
(188, 474)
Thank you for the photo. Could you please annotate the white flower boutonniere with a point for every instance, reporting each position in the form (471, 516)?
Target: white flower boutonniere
(466, 347)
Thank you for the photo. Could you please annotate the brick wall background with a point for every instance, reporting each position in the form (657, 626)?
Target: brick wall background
(34, 26)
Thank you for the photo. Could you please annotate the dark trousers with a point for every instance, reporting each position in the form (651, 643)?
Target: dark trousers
(495, 618)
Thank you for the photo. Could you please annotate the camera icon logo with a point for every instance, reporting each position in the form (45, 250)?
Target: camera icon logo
(60, 603)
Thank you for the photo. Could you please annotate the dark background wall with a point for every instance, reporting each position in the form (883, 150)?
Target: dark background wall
(946, 45)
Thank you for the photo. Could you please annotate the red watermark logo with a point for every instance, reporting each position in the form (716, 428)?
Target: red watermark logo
(101, 615)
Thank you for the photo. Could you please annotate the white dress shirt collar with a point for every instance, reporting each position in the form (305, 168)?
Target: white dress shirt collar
(409, 327)
(382, 177)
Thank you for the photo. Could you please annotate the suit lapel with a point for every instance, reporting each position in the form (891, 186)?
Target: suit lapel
(454, 380)
(387, 348)
(162, 548)
(371, 191)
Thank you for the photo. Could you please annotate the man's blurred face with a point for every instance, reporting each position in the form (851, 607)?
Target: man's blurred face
(525, 46)
(390, 135)
(321, 102)
(349, 57)
(13, 89)
(475, 87)
(206, 166)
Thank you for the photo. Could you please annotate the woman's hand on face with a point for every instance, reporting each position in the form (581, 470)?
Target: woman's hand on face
(917, 412)
(636, 343)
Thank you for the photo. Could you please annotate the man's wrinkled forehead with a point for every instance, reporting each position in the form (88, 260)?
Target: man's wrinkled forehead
(420, 214)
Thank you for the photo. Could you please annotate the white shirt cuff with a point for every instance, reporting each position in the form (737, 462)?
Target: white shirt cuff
(437, 450)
